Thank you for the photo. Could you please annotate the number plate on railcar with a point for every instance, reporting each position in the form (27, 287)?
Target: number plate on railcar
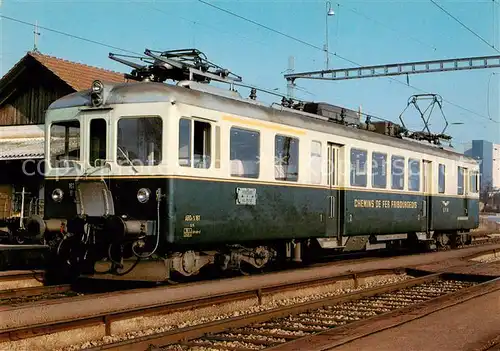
(246, 196)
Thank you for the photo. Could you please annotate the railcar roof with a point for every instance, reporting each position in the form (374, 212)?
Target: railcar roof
(144, 92)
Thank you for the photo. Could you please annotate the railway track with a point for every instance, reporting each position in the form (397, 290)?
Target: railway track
(35, 293)
(80, 287)
(285, 324)
(118, 313)
(20, 279)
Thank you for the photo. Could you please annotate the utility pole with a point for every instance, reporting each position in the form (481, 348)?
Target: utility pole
(329, 12)
(36, 33)
(496, 102)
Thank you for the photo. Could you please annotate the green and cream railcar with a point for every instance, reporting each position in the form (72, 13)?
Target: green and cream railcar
(178, 177)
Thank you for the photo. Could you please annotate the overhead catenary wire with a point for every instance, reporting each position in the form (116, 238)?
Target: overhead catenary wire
(337, 55)
(224, 32)
(488, 94)
(361, 14)
(465, 26)
(274, 30)
(251, 21)
(69, 35)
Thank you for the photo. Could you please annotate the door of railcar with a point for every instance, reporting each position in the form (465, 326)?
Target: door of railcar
(466, 186)
(427, 204)
(334, 199)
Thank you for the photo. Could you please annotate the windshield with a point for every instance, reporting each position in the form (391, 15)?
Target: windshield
(139, 141)
(64, 143)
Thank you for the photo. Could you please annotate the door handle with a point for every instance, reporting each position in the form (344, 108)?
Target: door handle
(332, 206)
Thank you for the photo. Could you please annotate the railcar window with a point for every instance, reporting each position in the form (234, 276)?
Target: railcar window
(398, 172)
(460, 181)
(316, 162)
(473, 182)
(64, 143)
(202, 143)
(217, 147)
(195, 143)
(441, 180)
(185, 142)
(244, 153)
(358, 167)
(379, 170)
(98, 142)
(286, 158)
(413, 174)
(139, 141)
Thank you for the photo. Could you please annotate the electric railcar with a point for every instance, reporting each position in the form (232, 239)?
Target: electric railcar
(145, 180)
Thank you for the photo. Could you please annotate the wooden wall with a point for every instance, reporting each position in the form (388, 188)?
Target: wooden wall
(27, 97)
(5, 201)
(14, 176)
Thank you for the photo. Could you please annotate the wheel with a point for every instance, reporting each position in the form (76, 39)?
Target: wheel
(442, 240)
(15, 237)
(456, 241)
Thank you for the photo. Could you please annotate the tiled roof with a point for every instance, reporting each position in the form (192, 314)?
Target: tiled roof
(77, 75)
(32, 148)
(21, 149)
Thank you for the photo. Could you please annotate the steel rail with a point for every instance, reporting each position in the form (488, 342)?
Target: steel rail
(372, 325)
(184, 334)
(34, 290)
(108, 318)
(21, 276)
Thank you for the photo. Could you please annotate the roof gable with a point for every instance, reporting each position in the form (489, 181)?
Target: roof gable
(76, 75)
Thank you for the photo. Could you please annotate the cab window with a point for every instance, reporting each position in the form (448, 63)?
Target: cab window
(139, 141)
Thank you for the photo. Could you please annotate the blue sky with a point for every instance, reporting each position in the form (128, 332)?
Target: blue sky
(367, 32)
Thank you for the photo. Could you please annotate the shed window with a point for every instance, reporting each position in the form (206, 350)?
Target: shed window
(379, 170)
(244, 153)
(413, 174)
(398, 172)
(286, 158)
(442, 181)
(358, 167)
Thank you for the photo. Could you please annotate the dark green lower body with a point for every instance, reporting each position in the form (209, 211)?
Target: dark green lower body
(209, 212)
(205, 212)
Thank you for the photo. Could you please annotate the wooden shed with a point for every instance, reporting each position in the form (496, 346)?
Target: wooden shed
(37, 80)
(26, 91)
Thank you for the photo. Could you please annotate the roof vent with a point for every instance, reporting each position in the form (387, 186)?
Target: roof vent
(333, 113)
(209, 89)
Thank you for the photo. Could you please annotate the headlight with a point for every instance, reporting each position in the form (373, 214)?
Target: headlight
(57, 195)
(97, 86)
(96, 94)
(143, 195)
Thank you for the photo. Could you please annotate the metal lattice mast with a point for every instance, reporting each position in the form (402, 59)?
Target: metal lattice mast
(458, 64)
